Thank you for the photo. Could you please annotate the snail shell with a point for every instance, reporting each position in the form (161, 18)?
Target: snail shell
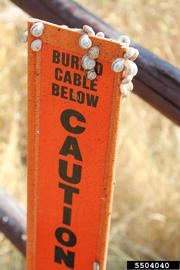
(88, 63)
(127, 79)
(96, 266)
(25, 37)
(130, 68)
(118, 65)
(100, 34)
(136, 54)
(79, 30)
(130, 86)
(91, 75)
(125, 40)
(94, 52)
(37, 29)
(36, 45)
(131, 54)
(64, 26)
(88, 29)
(124, 90)
(85, 42)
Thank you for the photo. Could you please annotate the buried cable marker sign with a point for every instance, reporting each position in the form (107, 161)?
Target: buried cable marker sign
(72, 128)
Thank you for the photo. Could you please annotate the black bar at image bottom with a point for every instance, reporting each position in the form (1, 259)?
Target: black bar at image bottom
(153, 265)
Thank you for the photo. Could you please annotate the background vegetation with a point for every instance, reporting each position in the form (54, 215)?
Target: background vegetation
(146, 213)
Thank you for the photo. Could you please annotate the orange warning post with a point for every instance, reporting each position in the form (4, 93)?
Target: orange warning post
(72, 130)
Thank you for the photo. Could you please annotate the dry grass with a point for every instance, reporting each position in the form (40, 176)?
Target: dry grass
(146, 214)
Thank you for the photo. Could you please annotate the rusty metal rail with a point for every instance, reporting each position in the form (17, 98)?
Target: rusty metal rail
(13, 221)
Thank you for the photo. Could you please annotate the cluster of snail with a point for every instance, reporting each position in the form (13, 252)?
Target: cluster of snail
(125, 64)
(37, 30)
(89, 59)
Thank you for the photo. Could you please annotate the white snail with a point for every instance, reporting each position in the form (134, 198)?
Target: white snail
(37, 29)
(118, 65)
(94, 52)
(124, 90)
(131, 54)
(85, 42)
(79, 30)
(36, 45)
(130, 86)
(64, 26)
(124, 39)
(127, 79)
(88, 29)
(96, 266)
(130, 68)
(100, 34)
(88, 63)
(25, 37)
(91, 75)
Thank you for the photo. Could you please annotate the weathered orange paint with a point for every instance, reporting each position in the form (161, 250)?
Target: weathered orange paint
(91, 208)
